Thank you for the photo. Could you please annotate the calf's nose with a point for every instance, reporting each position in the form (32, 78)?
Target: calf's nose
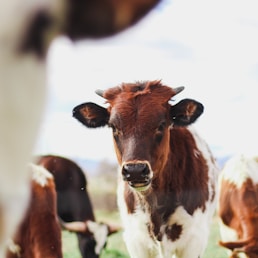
(135, 171)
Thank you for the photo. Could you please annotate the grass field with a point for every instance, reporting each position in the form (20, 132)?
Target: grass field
(116, 248)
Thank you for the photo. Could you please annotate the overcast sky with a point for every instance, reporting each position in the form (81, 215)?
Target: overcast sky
(210, 47)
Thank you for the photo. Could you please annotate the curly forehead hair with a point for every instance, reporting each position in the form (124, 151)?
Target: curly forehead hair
(132, 90)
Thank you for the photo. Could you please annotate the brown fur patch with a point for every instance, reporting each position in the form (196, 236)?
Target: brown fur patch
(174, 231)
(186, 175)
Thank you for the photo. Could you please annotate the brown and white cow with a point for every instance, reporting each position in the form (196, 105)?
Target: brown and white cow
(238, 206)
(27, 29)
(74, 206)
(167, 177)
(39, 233)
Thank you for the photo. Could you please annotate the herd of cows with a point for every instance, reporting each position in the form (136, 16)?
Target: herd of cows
(169, 185)
(60, 200)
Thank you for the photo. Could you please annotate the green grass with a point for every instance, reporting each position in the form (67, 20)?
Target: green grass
(213, 250)
(116, 248)
(70, 245)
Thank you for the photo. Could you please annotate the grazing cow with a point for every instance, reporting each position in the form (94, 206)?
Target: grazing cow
(74, 205)
(238, 206)
(167, 177)
(27, 29)
(39, 233)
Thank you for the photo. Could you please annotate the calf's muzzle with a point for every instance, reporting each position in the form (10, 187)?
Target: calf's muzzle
(137, 174)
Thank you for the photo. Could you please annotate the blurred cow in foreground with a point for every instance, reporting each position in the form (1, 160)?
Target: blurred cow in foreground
(39, 233)
(74, 206)
(238, 206)
(27, 29)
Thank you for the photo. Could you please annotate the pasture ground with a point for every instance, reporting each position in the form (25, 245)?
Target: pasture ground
(116, 249)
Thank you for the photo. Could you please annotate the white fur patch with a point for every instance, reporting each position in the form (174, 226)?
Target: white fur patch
(239, 168)
(100, 232)
(40, 175)
(136, 235)
(14, 248)
(195, 233)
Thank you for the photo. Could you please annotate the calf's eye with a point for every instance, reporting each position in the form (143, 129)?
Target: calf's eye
(116, 132)
(161, 127)
(159, 131)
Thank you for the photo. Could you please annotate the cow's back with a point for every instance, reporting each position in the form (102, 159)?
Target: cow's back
(59, 166)
(73, 201)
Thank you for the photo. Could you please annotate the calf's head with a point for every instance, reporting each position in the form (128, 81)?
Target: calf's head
(141, 117)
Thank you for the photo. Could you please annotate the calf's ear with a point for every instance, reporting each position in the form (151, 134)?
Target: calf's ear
(185, 112)
(91, 115)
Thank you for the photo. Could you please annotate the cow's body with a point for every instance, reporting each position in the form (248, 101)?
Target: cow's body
(238, 206)
(167, 177)
(74, 205)
(180, 216)
(27, 28)
(39, 234)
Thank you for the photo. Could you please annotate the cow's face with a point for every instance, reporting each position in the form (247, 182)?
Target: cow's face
(140, 117)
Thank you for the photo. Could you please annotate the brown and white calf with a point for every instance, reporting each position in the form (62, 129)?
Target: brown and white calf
(238, 206)
(167, 178)
(39, 233)
(27, 29)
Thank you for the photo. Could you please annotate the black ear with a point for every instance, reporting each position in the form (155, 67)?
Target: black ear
(91, 115)
(185, 112)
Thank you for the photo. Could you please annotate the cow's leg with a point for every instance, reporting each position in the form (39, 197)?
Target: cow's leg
(17, 138)
(22, 98)
(22, 94)
(21, 107)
